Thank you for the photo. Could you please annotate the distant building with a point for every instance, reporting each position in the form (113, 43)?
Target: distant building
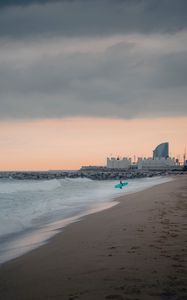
(117, 163)
(185, 165)
(157, 164)
(161, 151)
(160, 160)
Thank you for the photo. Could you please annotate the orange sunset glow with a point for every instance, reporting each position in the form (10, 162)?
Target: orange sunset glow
(73, 142)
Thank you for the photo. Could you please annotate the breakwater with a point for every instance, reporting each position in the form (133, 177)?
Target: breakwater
(94, 174)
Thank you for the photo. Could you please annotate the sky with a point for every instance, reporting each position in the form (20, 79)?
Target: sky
(81, 80)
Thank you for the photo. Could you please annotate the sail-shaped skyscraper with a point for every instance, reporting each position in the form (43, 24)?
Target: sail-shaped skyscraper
(161, 151)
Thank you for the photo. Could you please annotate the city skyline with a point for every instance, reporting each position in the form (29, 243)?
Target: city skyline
(73, 141)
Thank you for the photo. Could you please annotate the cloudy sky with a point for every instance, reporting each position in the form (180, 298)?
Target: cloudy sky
(116, 63)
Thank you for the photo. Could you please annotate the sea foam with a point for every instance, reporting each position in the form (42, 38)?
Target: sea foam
(39, 208)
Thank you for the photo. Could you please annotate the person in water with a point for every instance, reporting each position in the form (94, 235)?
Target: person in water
(121, 184)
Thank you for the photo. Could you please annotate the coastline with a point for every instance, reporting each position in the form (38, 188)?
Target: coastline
(134, 250)
(31, 238)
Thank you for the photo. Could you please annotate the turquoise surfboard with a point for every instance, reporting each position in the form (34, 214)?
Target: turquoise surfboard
(120, 185)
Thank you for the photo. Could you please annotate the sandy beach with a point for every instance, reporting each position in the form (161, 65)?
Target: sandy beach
(134, 250)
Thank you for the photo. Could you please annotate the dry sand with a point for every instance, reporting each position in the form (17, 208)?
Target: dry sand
(135, 250)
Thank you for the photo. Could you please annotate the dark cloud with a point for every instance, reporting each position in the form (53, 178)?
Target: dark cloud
(172, 71)
(5, 3)
(119, 82)
(92, 17)
(93, 58)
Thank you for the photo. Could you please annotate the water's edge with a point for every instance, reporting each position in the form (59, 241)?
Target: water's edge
(31, 239)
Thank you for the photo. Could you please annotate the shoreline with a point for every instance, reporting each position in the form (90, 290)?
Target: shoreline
(24, 242)
(134, 250)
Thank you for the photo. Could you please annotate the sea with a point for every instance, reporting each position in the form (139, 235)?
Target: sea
(33, 211)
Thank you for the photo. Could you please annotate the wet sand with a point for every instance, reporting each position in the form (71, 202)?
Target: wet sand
(134, 250)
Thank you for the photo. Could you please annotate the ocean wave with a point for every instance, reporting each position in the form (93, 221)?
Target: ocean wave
(15, 186)
(8, 227)
(79, 179)
(27, 206)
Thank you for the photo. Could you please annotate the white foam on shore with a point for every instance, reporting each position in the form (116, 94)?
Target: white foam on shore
(43, 227)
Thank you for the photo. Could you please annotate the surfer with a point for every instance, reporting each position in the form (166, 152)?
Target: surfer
(121, 184)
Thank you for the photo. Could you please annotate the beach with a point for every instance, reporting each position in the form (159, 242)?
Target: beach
(134, 250)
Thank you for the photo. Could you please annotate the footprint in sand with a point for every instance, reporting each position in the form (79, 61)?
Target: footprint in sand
(112, 248)
(177, 266)
(73, 297)
(116, 297)
(135, 247)
(168, 293)
(131, 251)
